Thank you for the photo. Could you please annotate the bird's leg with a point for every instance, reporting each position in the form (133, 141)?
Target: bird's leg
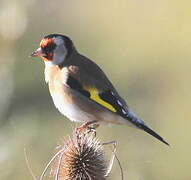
(91, 125)
(92, 128)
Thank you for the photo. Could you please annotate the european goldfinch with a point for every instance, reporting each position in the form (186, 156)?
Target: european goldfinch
(80, 89)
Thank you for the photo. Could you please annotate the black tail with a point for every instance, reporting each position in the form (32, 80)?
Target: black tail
(151, 132)
(140, 124)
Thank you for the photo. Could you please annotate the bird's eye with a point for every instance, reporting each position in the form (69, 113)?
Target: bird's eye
(49, 48)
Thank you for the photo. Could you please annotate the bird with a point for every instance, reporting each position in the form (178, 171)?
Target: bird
(80, 89)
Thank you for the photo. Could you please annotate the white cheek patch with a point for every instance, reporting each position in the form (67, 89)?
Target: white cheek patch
(59, 54)
(58, 41)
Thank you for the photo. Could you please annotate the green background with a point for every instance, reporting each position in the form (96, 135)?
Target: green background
(142, 45)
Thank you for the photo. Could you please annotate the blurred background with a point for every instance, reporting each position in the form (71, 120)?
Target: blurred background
(142, 45)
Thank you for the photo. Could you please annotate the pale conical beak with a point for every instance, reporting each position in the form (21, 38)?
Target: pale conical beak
(37, 53)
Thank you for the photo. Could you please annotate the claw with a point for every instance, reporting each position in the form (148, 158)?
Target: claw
(90, 126)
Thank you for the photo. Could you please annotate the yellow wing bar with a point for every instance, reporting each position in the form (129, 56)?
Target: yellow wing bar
(94, 95)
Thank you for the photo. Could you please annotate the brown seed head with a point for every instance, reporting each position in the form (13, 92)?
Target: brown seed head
(81, 158)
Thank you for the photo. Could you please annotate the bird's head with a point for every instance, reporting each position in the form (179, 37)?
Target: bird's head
(54, 48)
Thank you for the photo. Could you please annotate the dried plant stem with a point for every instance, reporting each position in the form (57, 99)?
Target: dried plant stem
(114, 143)
(49, 163)
(28, 165)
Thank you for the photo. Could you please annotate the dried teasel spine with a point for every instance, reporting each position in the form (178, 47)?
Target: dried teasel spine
(81, 158)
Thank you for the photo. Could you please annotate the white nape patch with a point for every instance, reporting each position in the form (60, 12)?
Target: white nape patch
(60, 51)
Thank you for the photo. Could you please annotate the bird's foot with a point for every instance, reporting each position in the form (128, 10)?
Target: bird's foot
(89, 126)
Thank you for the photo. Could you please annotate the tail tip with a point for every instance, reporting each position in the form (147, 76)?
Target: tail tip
(165, 142)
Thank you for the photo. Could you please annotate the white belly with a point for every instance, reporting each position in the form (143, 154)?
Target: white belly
(71, 111)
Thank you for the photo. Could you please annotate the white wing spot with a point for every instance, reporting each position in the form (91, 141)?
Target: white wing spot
(119, 102)
(123, 111)
(112, 93)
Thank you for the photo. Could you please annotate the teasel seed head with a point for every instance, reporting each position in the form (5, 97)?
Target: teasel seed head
(81, 158)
